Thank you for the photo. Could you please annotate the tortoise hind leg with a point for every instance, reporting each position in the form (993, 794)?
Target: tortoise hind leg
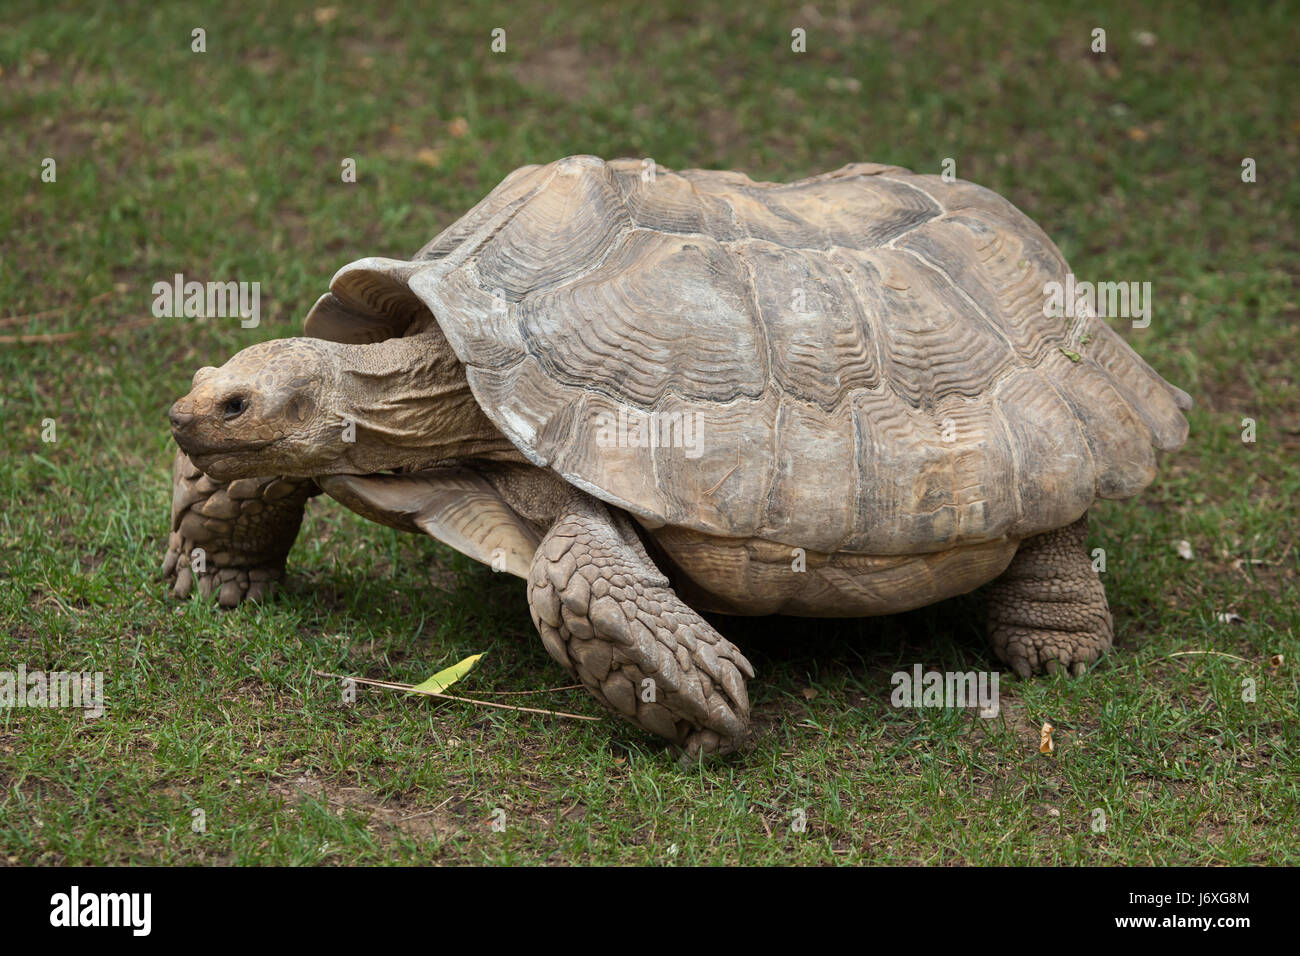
(244, 529)
(1048, 610)
(607, 614)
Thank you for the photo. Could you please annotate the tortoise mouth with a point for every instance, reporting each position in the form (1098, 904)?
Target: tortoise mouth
(226, 462)
(200, 450)
(197, 448)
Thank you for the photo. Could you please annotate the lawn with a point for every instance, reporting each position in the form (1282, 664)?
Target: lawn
(225, 165)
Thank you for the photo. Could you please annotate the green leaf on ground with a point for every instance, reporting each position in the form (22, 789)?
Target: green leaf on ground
(440, 681)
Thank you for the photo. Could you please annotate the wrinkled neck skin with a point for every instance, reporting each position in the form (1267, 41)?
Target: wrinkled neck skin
(409, 407)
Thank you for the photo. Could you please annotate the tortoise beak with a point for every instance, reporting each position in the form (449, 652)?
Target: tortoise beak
(181, 414)
(187, 417)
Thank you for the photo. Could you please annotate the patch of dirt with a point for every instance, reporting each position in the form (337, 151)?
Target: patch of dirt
(563, 71)
(385, 818)
(724, 131)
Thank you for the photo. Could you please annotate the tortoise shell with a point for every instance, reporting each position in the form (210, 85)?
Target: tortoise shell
(855, 362)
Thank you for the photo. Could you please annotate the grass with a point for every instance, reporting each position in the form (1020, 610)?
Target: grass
(225, 165)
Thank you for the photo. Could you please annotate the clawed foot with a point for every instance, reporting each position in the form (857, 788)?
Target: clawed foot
(606, 612)
(232, 585)
(1048, 610)
(231, 539)
(1043, 651)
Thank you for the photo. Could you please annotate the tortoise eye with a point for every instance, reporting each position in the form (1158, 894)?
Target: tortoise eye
(235, 407)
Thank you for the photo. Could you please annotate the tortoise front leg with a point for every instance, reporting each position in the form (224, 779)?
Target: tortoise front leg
(245, 529)
(607, 614)
(1048, 610)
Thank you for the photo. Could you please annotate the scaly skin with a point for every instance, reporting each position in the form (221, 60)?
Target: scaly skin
(607, 614)
(245, 527)
(1048, 610)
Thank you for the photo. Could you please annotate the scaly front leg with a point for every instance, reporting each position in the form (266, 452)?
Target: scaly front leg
(607, 614)
(245, 529)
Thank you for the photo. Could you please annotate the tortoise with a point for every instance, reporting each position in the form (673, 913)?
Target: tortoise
(651, 394)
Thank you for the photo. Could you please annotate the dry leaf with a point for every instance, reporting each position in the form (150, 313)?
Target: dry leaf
(1184, 550)
(324, 15)
(1045, 745)
(430, 157)
(458, 127)
(809, 693)
(1137, 134)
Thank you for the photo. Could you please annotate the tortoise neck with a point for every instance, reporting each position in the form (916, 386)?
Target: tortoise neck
(409, 406)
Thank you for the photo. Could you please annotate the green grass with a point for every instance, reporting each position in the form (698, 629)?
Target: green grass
(225, 165)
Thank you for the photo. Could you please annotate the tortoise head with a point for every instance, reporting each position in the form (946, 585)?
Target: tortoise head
(308, 407)
(265, 412)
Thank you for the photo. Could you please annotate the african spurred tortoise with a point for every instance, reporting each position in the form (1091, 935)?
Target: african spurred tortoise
(652, 393)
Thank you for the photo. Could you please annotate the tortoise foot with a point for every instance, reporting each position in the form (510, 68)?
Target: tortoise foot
(1048, 610)
(230, 538)
(606, 613)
